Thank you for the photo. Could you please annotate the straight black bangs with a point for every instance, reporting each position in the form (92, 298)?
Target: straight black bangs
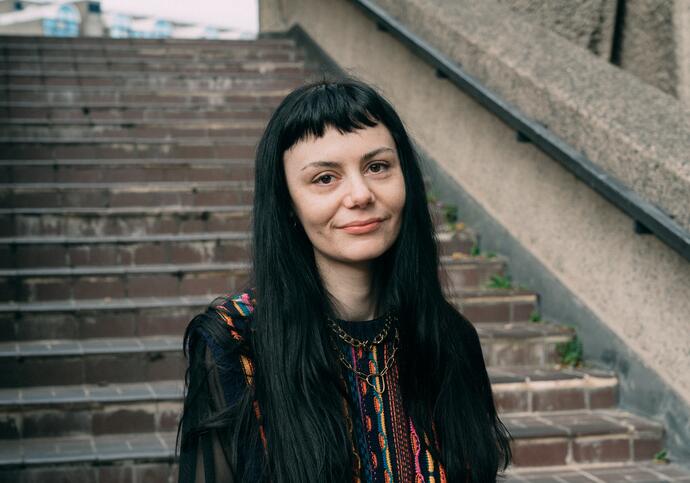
(310, 109)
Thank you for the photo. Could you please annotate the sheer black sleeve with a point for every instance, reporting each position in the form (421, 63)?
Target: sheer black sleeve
(203, 458)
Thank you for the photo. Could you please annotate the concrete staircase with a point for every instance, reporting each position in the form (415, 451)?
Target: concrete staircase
(125, 192)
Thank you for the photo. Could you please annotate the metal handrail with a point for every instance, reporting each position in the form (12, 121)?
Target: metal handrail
(647, 217)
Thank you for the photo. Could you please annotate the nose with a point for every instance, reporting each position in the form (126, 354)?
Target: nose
(360, 193)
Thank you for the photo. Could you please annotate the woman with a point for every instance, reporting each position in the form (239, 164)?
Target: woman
(343, 361)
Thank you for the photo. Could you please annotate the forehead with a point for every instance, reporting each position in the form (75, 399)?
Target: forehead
(337, 146)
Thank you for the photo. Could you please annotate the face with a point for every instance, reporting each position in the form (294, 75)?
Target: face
(348, 193)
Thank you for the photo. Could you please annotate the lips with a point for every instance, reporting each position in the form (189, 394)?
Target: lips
(362, 222)
(366, 228)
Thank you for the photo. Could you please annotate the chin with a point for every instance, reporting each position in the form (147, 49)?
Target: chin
(363, 255)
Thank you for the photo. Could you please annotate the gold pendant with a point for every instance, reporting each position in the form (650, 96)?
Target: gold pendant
(373, 386)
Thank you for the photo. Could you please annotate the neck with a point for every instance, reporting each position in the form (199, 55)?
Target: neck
(350, 285)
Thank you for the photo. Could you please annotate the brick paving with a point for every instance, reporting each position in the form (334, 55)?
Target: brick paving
(125, 198)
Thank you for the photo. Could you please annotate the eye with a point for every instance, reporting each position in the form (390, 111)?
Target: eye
(326, 177)
(380, 167)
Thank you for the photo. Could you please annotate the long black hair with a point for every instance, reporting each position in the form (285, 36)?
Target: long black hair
(442, 372)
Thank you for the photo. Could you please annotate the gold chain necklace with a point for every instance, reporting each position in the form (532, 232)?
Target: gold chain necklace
(369, 377)
(356, 343)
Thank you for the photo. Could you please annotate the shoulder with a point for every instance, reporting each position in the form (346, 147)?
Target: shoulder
(236, 310)
(225, 325)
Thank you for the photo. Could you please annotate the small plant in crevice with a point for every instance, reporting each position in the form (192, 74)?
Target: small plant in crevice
(490, 255)
(500, 281)
(450, 212)
(535, 316)
(662, 457)
(570, 352)
(474, 251)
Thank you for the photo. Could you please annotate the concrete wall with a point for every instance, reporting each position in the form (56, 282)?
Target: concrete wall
(627, 294)
(648, 47)
(681, 22)
(32, 27)
(587, 23)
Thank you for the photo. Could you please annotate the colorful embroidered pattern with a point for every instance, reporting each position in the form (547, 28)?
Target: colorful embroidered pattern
(384, 440)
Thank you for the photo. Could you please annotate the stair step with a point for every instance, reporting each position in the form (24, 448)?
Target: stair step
(114, 221)
(239, 148)
(77, 251)
(528, 389)
(216, 82)
(65, 67)
(149, 270)
(205, 130)
(91, 361)
(159, 357)
(158, 110)
(647, 472)
(566, 437)
(125, 170)
(121, 281)
(37, 252)
(497, 305)
(522, 343)
(121, 194)
(26, 104)
(89, 449)
(136, 316)
(47, 411)
(547, 439)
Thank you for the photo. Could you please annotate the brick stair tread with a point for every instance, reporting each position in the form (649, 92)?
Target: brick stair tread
(142, 238)
(126, 162)
(297, 69)
(87, 121)
(88, 394)
(94, 449)
(116, 345)
(122, 270)
(125, 239)
(77, 305)
(60, 62)
(110, 345)
(578, 423)
(645, 472)
(128, 185)
(124, 210)
(179, 140)
(167, 268)
(93, 125)
(564, 424)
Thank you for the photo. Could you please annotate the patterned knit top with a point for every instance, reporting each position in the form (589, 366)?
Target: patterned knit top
(384, 441)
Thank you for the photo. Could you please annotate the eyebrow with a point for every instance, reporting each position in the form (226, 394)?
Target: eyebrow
(334, 164)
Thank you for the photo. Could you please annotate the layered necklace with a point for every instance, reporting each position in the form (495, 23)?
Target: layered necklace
(366, 344)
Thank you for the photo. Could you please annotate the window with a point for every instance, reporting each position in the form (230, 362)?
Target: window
(64, 24)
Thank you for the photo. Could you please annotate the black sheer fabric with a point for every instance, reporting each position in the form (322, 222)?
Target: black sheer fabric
(206, 459)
